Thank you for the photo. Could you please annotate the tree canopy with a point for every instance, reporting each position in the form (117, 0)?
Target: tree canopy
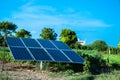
(7, 27)
(1, 39)
(48, 33)
(99, 45)
(23, 33)
(119, 45)
(68, 36)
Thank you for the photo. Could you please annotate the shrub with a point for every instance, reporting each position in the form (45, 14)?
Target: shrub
(69, 72)
(5, 56)
(86, 66)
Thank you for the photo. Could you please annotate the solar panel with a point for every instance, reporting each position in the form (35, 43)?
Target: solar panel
(20, 53)
(46, 43)
(30, 42)
(14, 42)
(73, 56)
(42, 50)
(58, 55)
(60, 45)
(40, 54)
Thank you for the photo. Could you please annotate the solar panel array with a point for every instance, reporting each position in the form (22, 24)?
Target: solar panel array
(42, 50)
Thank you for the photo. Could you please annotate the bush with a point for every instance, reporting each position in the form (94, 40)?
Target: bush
(5, 56)
(86, 66)
(69, 72)
(93, 60)
(99, 45)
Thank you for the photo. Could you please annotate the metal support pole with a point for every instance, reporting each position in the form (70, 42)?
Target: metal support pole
(41, 65)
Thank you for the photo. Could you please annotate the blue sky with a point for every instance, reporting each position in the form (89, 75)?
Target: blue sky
(90, 19)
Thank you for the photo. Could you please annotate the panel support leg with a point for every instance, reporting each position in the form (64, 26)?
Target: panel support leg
(41, 65)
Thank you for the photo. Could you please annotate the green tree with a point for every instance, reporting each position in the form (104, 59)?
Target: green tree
(1, 40)
(69, 37)
(119, 45)
(48, 33)
(99, 45)
(23, 33)
(7, 27)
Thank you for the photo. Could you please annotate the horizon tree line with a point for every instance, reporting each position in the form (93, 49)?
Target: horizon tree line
(67, 36)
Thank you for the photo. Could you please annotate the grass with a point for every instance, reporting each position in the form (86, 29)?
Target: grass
(114, 75)
(113, 59)
(5, 55)
(4, 77)
(88, 52)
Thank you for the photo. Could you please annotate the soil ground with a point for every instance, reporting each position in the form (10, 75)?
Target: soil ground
(16, 71)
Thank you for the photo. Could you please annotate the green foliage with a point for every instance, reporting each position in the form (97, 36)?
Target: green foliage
(92, 53)
(96, 58)
(86, 66)
(1, 40)
(99, 45)
(6, 56)
(23, 33)
(112, 50)
(69, 37)
(77, 45)
(119, 45)
(113, 75)
(69, 72)
(7, 27)
(113, 59)
(48, 33)
(94, 61)
(118, 51)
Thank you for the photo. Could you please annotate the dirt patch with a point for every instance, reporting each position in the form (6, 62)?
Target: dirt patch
(16, 71)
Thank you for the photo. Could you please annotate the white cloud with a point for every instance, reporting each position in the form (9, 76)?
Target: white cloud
(35, 17)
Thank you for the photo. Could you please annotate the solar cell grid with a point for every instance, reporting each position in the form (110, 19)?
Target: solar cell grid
(60, 45)
(46, 44)
(30, 42)
(42, 50)
(73, 56)
(40, 54)
(14, 42)
(21, 53)
(58, 56)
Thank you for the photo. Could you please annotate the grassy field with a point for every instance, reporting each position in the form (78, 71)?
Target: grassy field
(114, 60)
(114, 75)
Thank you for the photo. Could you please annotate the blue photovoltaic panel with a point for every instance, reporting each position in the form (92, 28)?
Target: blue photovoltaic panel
(14, 42)
(30, 42)
(60, 45)
(74, 56)
(20, 53)
(46, 44)
(58, 56)
(42, 50)
(40, 54)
